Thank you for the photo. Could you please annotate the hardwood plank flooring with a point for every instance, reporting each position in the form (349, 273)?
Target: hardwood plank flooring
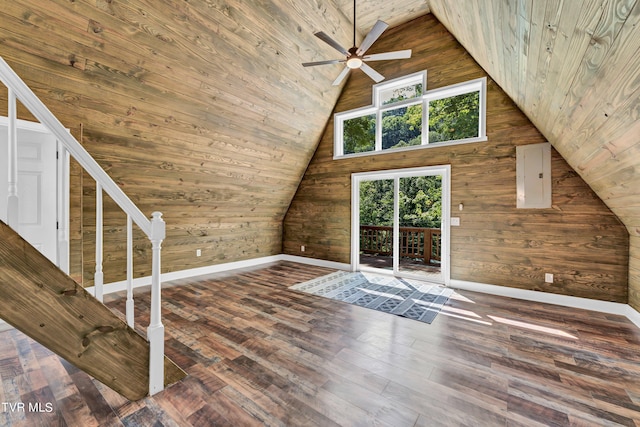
(260, 354)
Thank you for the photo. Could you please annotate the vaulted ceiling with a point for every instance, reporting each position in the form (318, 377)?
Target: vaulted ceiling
(573, 67)
(215, 88)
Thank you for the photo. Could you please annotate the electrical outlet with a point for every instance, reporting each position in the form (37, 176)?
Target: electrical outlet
(548, 277)
(198, 252)
(455, 221)
(302, 248)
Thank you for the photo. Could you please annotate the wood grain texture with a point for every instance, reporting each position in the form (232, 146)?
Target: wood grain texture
(634, 270)
(393, 13)
(577, 80)
(259, 354)
(44, 303)
(199, 110)
(579, 239)
(216, 93)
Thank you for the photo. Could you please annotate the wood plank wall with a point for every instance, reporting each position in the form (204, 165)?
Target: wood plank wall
(579, 239)
(200, 110)
(577, 77)
(634, 269)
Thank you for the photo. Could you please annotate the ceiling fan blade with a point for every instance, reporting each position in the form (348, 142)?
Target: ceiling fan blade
(341, 77)
(371, 38)
(376, 76)
(331, 61)
(398, 54)
(331, 42)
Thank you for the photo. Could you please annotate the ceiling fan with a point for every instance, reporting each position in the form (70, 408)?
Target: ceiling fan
(355, 57)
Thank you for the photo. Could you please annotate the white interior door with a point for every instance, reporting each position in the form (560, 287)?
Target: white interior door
(37, 186)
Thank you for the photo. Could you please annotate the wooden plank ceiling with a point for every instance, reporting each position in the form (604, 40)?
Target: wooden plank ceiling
(216, 91)
(573, 67)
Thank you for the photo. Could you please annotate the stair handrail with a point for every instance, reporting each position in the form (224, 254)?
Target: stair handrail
(79, 153)
(154, 229)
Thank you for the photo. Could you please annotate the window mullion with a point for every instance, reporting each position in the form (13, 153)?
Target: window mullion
(378, 130)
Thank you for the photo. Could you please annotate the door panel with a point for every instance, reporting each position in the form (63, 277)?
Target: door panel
(400, 222)
(420, 220)
(37, 188)
(376, 223)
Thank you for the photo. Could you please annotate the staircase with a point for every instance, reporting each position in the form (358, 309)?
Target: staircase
(50, 307)
(43, 302)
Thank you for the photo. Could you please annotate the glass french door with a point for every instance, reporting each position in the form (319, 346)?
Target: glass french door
(377, 245)
(400, 222)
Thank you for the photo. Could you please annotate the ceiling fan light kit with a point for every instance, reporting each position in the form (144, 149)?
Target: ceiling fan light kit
(354, 63)
(355, 57)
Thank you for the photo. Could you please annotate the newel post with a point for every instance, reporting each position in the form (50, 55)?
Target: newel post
(155, 331)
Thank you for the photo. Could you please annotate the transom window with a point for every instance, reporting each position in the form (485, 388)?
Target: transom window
(405, 116)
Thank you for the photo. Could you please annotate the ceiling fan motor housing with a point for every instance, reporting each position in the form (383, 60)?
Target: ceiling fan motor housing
(354, 61)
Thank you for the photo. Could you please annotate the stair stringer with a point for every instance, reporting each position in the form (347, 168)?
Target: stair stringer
(41, 301)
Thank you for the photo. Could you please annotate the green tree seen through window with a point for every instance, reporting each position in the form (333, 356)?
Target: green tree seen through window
(450, 119)
(420, 201)
(454, 118)
(402, 127)
(360, 134)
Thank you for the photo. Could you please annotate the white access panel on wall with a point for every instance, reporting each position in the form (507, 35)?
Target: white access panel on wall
(533, 175)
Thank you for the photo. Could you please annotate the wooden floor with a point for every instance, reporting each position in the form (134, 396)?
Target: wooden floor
(259, 354)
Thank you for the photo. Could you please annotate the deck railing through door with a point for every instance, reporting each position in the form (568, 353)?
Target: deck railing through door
(415, 242)
(153, 228)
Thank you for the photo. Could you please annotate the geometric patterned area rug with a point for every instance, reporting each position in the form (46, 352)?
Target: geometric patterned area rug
(409, 298)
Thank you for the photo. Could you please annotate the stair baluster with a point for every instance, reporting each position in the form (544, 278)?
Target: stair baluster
(12, 156)
(63, 231)
(98, 278)
(154, 229)
(129, 306)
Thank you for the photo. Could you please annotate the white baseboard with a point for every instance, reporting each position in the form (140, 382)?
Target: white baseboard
(316, 262)
(632, 314)
(549, 298)
(523, 294)
(186, 274)
(219, 268)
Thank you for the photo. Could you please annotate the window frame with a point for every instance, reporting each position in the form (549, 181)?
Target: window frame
(477, 85)
(339, 130)
(410, 79)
